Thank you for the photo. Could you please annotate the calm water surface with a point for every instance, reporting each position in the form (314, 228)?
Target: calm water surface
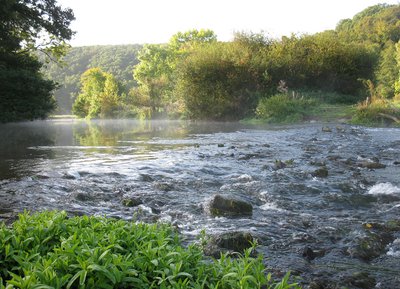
(174, 168)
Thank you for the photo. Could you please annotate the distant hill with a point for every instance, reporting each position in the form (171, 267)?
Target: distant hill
(116, 59)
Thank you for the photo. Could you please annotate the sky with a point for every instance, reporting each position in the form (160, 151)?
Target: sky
(103, 22)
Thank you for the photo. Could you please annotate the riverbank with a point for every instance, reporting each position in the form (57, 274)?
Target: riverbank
(371, 115)
(318, 113)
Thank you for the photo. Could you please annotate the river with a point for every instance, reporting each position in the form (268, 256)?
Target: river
(340, 227)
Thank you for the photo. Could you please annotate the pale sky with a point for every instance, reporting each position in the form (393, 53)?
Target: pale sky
(100, 22)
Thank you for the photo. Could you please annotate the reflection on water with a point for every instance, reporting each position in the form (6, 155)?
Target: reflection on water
(22, 144)
(16, 159)
(171, 170)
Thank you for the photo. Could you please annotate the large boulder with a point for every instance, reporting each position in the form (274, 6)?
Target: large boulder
(229, 242)
(370, 245)
(227, 206)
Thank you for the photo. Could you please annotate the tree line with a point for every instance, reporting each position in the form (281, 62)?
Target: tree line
(196, 76)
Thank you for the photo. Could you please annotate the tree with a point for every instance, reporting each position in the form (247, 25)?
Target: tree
(320, 62)
(386, 72)
(100, 95)
(154, 74)
(188, 39)
(397, 75)
(221, 81)
(156, 71)
(27, 26)
(118, 60)
(376, 24)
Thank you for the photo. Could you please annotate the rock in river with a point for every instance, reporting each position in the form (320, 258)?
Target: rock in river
(371, 245)
(227, 206)
(230, 242)
(361, 280)
(371, 165)
(320, 173)
(131, 202)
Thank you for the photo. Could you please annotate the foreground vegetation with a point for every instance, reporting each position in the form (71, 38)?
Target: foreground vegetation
(49, 250)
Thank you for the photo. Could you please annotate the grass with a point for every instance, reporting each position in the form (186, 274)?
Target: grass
(377, 112)
(283, 108)
(50, 250)
(326, 112)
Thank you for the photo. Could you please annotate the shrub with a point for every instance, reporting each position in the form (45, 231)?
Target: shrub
(379, 111)
(283, 108)
(50, 250)
(221, 81)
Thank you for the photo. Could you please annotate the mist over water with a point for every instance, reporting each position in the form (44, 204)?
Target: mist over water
(174, 168)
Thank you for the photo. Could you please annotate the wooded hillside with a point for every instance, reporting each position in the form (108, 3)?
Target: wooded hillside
(118, 60)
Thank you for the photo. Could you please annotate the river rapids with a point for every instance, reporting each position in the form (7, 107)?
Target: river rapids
(325, 198)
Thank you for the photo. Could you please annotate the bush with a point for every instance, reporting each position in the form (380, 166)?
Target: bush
(50, 250)
(380, 111)
(221, 81)
(283, 108)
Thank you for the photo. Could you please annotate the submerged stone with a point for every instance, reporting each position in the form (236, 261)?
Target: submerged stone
(71, 175)
(361, 280)
(320, 173)
(371, 165)
(224, 206)
(83, 196)
(131, 202)
(279, 165)
(310, 254)
(146, 178)
(230, 242)
(165, 187)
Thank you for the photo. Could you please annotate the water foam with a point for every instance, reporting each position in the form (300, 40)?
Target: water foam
(384, 189)
(394, 250)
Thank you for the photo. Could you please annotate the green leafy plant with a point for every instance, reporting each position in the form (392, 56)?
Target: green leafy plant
(50, 250)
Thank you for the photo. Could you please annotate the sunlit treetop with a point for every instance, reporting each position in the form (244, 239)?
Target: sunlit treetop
(191, 37)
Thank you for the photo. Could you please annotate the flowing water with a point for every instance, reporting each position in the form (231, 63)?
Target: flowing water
(172, 170)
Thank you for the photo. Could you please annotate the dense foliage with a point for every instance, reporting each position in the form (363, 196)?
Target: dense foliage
(50, 250)
(26, 27)
(221, 81)
(156, 72)
(230, 80)
(118, 60)
(195, 76)
(100, 95)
